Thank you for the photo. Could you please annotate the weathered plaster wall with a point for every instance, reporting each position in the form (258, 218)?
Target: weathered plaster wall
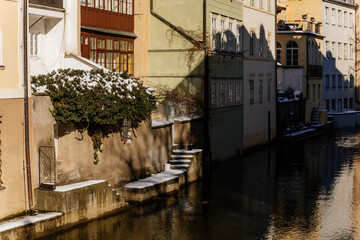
(119, 162)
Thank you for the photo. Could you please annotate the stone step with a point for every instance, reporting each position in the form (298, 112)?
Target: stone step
(185, 151)
(158, 184)
(181, 156)
(184, 161)
(179, 166)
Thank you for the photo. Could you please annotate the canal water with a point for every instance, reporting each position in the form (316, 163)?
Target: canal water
(306, 190)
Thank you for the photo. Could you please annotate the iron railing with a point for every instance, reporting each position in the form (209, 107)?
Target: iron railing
(47, 167)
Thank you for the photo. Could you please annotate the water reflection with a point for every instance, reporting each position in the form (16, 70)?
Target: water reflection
(306, 190)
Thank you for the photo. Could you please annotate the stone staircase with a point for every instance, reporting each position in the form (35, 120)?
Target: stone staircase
(190, 160)
(315, 116)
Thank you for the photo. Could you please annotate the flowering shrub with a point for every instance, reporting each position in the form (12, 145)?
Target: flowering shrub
(96, 98)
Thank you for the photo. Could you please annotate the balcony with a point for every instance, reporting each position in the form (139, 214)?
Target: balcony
(300, 25)
(281, 4)
(48, 3)
(315, 71)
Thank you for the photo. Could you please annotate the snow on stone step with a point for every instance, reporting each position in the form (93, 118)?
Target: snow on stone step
(182, 156)
(185, 151)
(180, 165)
(153, 180)
(180, 161)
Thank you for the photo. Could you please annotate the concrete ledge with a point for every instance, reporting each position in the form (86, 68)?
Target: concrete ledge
(29, 227)
(80, 201)
(160, 124)
(158, 184)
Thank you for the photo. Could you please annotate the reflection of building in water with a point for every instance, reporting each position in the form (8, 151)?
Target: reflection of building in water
(356, 199)
(317, 195)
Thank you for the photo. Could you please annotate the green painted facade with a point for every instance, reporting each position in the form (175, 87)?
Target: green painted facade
(175, 62)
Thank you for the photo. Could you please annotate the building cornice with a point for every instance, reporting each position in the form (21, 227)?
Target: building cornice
(343, 3)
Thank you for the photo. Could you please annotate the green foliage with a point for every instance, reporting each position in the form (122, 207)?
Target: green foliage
(95, 98)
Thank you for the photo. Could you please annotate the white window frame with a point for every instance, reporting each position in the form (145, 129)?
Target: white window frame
(34, 44)
(238, 38)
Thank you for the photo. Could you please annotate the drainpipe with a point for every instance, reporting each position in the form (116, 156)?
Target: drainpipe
(207, 151)
(307, 74)
(26, 105)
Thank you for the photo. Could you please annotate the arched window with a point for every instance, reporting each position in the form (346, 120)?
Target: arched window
(292, 53)
(278, 52)
(1, 50)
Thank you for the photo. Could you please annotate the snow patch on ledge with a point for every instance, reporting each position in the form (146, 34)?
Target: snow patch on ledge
(160, 123)
(27, 220)
(74, 186)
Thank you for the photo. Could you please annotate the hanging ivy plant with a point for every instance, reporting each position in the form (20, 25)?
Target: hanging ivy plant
(96, 99)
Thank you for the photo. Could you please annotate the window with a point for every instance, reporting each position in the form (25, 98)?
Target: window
(327, 49)
(345, 51)
(223, 40)
(351, 21)
(345, 18)
(261, 4)
(333, 81)
(214, 94)
(225, 92)
(252, 3)
(333, 104)
(238, 38)
(261, 43)
(340, 81)
(351, 103)
(327, 104)
(292, 53)
(327, 81)
(114, 53)
(333, 19)
(238, 92)
(278, 52)
(268, 90)
(252, 43)
(326, 15)
(230, 38)
(339, 17)
(222, 93)
(34, 43)
(346, 81)
(230, 93)
(339, 50)
(269, 5)
(116, 6)
(251, 82)
(268, 49)
(345, 103)
(261, 90)
(333, 49)
(351, 80)
(214, 40)
(351, 52)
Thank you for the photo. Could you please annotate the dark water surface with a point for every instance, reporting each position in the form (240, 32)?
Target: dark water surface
(306, 190)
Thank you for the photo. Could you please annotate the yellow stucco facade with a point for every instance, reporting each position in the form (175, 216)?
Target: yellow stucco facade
(13, 196)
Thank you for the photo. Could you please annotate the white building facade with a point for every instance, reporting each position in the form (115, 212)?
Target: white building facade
(259, 72)
(339, 55)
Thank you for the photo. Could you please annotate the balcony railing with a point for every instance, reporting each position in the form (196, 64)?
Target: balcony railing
(300, 25)
(315, 71)
(48, 3)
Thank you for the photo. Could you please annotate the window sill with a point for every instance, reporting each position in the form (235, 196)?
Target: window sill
(2, 188)
(2, 67)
